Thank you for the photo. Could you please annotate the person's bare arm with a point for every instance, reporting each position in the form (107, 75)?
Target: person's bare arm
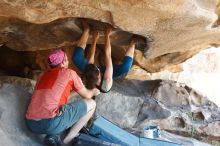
(108, 81)
(93, 47)
(85, 35)
(88, 94)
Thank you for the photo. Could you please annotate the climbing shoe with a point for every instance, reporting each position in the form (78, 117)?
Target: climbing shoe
(53, 140)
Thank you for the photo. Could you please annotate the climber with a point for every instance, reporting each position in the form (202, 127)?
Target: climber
(48, 112)
(101, 77)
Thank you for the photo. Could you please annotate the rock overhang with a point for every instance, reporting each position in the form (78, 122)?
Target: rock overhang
(177, 30)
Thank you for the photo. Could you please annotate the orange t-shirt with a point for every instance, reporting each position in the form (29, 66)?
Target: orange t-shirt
(52, 91)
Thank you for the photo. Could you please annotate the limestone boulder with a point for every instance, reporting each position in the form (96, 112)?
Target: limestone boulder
(175, 30)
(13, 131)
(175, 107)
(131, 104)
(201, 72)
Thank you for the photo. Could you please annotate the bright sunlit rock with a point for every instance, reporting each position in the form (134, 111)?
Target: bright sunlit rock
(201, 72)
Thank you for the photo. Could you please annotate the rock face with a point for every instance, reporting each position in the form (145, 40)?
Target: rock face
(121, 99)
(176, 30)
(201, 72)
(174, 107)
(13, 101)
(130, 104)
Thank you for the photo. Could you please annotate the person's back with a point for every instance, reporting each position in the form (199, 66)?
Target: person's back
(49, 111)
(55, 83)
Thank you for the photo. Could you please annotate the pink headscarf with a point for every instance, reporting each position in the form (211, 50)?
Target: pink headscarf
(56, 57)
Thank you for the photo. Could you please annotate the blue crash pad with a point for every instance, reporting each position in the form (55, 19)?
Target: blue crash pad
(106, 130)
